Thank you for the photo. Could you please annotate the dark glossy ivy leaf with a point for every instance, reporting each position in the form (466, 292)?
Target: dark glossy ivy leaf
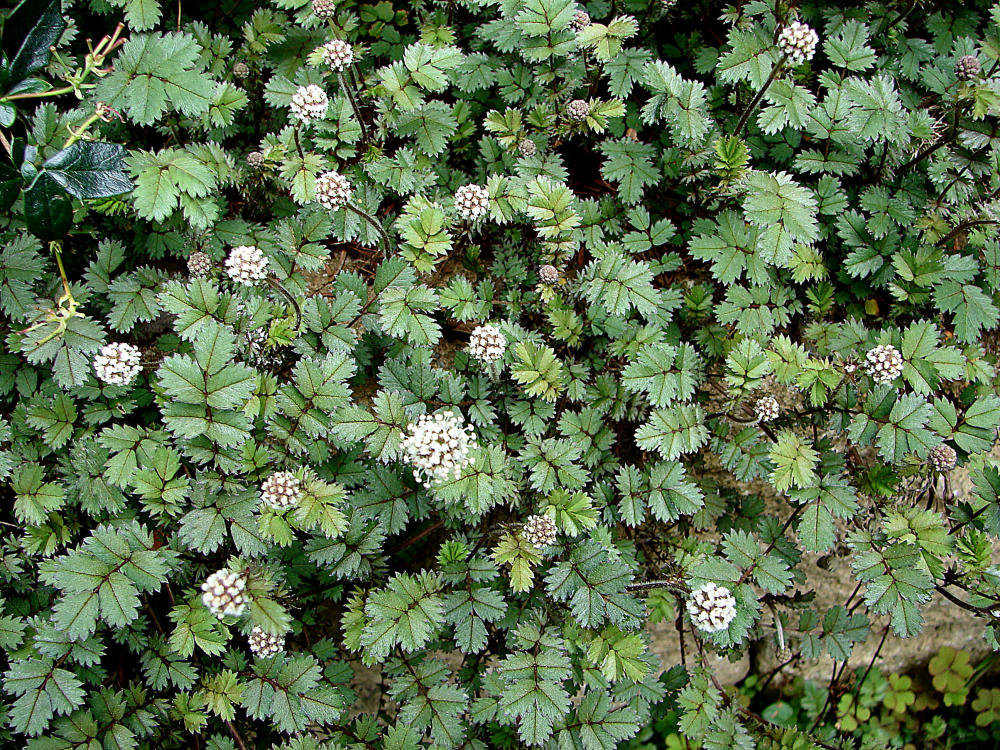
(48, 211)
(10, 185)
(90, 170)
(42, 26)
(23, 154)
(28, 86)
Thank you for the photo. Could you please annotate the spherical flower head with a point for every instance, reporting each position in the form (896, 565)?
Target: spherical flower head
(241, 70)
(199, 263)
(487, 343)
(666, 5)
(438, 446)
(338, 54)
(117, 364)
(472, 202)
(968, 68)
(281, 490)
(798, 41)
(711, 607)
(767, 409)
(246, 265)
(943, 457)
(333, 190)
(578, 109)
(581, 20)
(539, 531)
(527, 147)
(255, 159)
(264, 644)
(309, 103)
(884, 363)
(324, 8)
(224, 593)
(548, 274)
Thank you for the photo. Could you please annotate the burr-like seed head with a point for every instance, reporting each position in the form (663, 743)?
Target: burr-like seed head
(581, 20)
(943, 457)
(199, 263)
(968, 68)
(578, 109)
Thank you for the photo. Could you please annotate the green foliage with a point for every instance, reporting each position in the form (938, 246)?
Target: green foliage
(602, 320)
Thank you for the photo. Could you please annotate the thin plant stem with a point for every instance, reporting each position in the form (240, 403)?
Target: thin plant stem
(348, 88)
(386, 242)
(778, 66)
(68, 295)
(77, 134)
(284, 293)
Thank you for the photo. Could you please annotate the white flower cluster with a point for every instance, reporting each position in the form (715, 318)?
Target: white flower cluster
(117, 364)
(539, 531)
(884, 363)
(711, 607)
(309, 103)
(943, 457)
(199, 263)
(281, 490)
(767, 408)
(265, 644)
(333, 190)
(246, 265)
(438, 446)
(225, 593)
(487, 343)
(798, 41)
(472, 201)
(578, 109)
(338, 54)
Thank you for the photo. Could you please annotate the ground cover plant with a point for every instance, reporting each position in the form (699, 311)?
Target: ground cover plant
(457, 340)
